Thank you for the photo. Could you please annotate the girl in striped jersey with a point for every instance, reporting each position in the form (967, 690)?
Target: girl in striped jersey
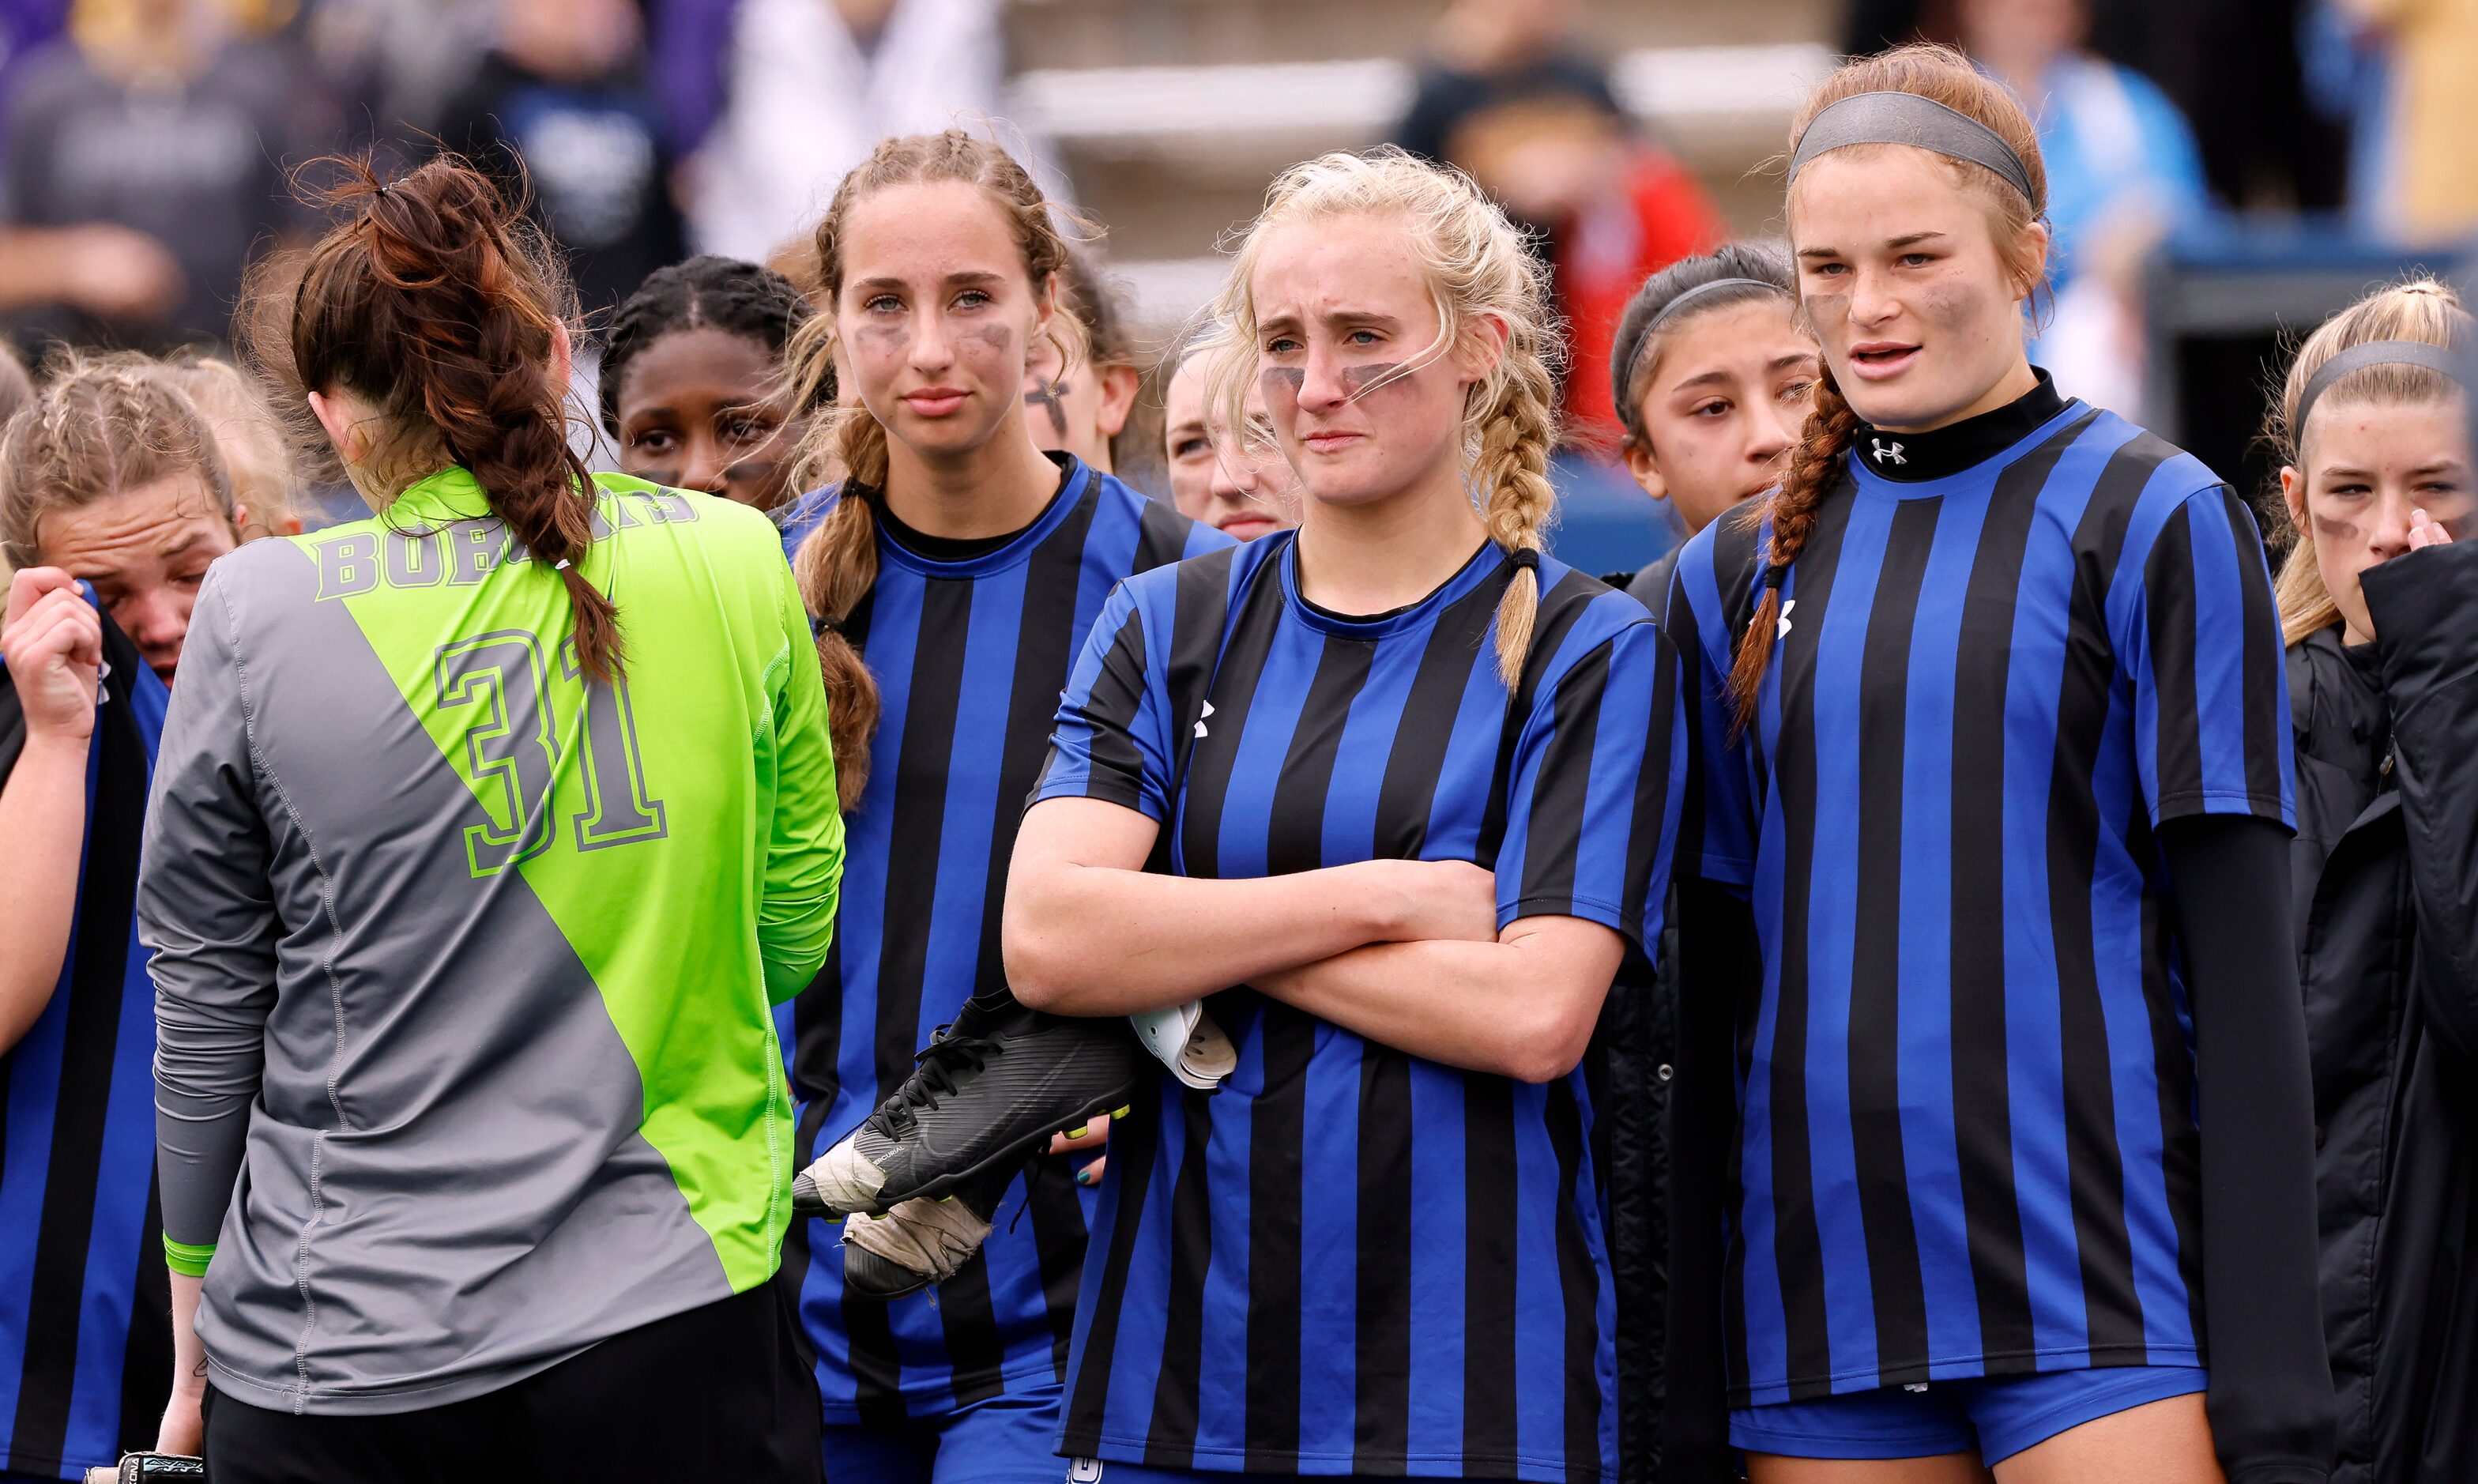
(1404, 782)
(953, 574)
(1995, 746)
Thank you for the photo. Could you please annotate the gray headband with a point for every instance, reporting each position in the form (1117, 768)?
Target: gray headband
(1907, 119)
(2356, 358)
(1670, 311)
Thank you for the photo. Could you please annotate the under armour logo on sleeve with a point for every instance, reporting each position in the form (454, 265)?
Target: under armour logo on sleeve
(1783, 631)
(1200, 726)
(1885, 453)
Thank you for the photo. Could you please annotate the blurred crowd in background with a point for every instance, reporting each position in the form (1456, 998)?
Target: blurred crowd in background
(2269, 157)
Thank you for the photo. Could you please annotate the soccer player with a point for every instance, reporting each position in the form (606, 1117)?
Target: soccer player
(1242, 487)
(692, 380)
(484, 835)
(1996, 748)
(114, 499)
(1080, 406)
(1404, 785)
(1713, 378)
(954, 575)
(2378, 600)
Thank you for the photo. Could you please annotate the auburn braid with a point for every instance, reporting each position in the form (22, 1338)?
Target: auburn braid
(441, 306)
(1791, 511)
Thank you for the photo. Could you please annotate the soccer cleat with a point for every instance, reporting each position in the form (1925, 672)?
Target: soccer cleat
(982, 1096)
(921, 1242)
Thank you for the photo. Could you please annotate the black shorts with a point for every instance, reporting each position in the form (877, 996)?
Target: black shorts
(717, 1394)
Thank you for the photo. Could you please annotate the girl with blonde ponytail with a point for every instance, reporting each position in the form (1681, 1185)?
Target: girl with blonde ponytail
(950, 575)
(2379, 595)
(1400, 784)
(1988, 697)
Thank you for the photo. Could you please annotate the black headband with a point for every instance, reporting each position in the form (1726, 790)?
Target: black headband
(1907, 119)
(1625, 389)
(2356, 358)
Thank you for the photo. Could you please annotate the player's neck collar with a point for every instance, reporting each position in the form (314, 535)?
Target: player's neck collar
(1913, 458)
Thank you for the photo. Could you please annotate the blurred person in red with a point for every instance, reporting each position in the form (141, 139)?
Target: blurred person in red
(1511, 98)
(143, 164)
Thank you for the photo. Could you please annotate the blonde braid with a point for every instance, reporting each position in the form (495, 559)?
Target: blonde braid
(1518, 429)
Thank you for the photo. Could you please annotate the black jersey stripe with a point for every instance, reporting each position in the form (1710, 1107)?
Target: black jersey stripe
(1561, 798)
(1895, 1280)
(920, 811)
(1134, 1142)
(1983, 1112)
(1798, 1241)
(1044, 646)
(1490, 1250)
(2168, 583)
(1579, 1288)
(1170, 1439)
(1381, 1403)
(146, 1361)
(1406, 797)
(105, 903)
(1161, 540)
(877, 1376)
(2111, 1304)
(1233, 690)
(1117, 693)
(2173, 1069)
(1278, 1122)
(2264, 707)
(1059, 1240)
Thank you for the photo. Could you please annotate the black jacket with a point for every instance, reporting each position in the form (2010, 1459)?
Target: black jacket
(2386, 883)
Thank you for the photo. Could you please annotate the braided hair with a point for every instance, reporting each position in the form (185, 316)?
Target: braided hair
(438, 303)
(706, 292)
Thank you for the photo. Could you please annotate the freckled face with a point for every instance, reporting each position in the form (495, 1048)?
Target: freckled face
(1723, 399)
(146, 551)
(1899, 273)
(1361, 405)
(935, 314)
(698, 410)
(2367, 467)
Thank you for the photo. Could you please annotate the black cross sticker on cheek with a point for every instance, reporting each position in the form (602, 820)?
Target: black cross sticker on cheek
(1051, 394)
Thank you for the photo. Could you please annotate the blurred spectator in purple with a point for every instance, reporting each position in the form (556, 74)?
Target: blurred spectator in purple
(772, 101)
(25, 25)
(563, 89)
(144, 164)
(2122, 172)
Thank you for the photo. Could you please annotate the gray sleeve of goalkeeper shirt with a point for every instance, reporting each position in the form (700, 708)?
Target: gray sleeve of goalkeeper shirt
(206, 908)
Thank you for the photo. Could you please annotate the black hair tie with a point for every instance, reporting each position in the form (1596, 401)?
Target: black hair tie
(826, 626)
(1775, 575)
(1528, 559)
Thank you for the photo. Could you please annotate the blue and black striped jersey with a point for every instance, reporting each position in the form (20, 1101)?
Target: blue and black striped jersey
(1968, 1141)
(85, 1336)
(969, 653)
(1351, 1259)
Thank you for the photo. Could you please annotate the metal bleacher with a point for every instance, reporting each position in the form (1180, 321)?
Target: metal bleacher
(1170, 116)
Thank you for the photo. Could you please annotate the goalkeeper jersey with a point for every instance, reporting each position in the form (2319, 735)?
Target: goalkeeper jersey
(464, 964)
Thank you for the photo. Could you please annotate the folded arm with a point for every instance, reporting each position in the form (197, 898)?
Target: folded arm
(1090, 932)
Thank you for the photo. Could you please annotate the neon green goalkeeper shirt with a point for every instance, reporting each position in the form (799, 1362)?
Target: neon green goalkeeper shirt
(466, 969)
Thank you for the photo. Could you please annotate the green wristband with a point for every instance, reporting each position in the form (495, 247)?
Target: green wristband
(189, 1262)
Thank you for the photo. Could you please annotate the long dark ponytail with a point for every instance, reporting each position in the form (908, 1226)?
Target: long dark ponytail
(438, 304)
